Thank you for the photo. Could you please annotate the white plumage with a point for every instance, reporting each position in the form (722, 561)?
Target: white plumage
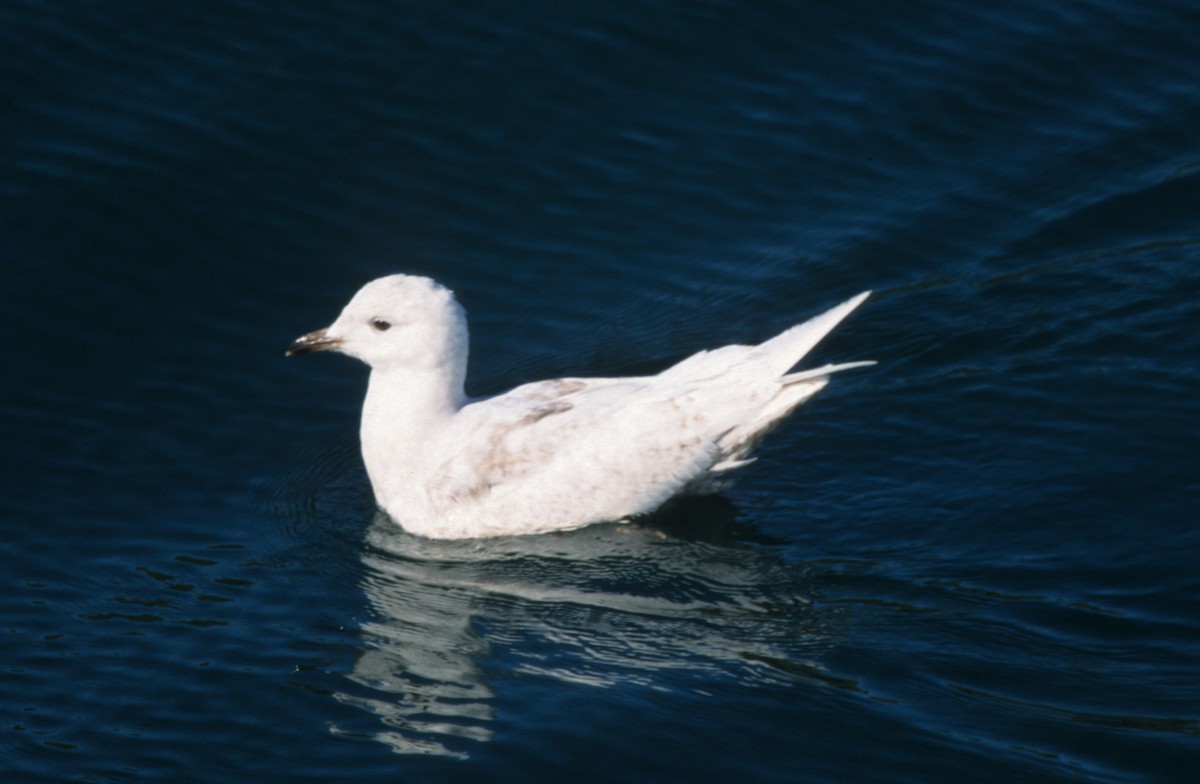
(550, 455)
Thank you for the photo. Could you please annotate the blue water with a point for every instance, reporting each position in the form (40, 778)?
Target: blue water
(978, 561)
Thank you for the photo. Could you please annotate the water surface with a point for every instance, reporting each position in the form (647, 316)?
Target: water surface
(973, 562)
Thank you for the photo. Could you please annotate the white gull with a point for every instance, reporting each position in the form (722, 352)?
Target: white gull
(550, 455)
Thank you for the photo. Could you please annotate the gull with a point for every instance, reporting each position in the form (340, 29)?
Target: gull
(550, 455)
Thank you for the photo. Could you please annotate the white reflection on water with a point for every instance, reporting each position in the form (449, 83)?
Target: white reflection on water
(602, 606)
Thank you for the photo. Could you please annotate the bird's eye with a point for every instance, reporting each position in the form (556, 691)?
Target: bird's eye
(381, 325)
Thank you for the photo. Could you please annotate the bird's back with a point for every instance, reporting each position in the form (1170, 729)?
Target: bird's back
(555, 455)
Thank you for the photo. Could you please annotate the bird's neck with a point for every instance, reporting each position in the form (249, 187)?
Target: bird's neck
(398, 398)
(402, 409)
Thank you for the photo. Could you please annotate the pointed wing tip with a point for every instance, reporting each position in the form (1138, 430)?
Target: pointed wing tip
(858, 299)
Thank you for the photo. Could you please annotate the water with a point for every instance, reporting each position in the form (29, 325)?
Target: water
(974, 562)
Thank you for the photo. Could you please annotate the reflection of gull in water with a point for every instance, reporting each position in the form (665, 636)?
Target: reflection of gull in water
(420, 664)
(601, 606)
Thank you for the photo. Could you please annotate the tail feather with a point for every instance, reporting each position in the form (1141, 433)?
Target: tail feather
(764, 368)
(823, 371)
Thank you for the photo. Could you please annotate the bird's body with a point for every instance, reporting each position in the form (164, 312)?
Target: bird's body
(550, 455)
